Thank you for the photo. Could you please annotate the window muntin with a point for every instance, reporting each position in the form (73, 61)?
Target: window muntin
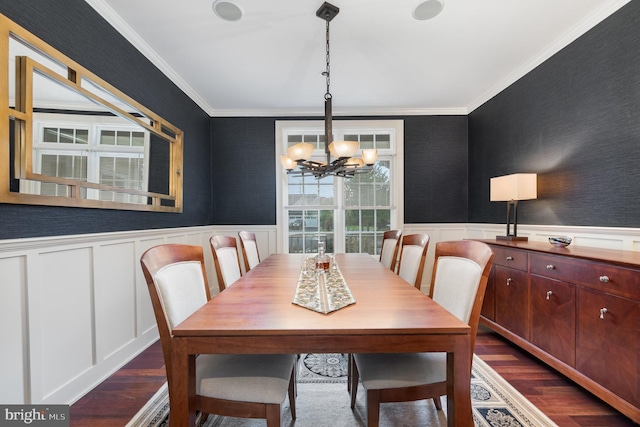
(110, 154)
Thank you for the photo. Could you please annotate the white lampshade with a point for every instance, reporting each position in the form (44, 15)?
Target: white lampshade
(369, 156)
(344, 149)
(517, 186)
(287, 163)
(332, 151)
(300, 151)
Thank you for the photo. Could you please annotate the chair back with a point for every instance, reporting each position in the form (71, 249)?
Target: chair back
(389, 250)
(177, 283)
(412, 258)
(460, 274)
(226, 259)
(249, 249)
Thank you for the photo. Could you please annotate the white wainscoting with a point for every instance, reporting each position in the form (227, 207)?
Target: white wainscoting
(74, 309)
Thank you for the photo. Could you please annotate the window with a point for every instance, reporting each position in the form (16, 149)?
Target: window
(349, 214)
(105, 150)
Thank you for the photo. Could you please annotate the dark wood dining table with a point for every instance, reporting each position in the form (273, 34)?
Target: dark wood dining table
(256, 315)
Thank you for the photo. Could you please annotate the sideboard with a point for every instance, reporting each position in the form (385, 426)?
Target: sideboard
(576, 309)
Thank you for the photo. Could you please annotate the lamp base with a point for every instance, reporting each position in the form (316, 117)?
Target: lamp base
(513, 238)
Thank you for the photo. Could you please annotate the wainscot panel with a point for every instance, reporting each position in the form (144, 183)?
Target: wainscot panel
(79, 307)
(87, 294)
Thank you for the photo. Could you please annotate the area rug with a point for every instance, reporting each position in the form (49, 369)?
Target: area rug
(323, 401)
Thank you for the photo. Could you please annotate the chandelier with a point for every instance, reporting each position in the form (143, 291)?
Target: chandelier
(297, 161)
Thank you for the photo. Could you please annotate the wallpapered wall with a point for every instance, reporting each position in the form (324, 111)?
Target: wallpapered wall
(435, 169)
(575, 120)
(75, 29)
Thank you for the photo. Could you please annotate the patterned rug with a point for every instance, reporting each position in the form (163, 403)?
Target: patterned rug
(323, 400)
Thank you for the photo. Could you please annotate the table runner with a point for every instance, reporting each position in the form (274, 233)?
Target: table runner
(322, 291)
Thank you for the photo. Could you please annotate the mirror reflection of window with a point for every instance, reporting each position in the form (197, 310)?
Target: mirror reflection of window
(105, 150)
(73, 136)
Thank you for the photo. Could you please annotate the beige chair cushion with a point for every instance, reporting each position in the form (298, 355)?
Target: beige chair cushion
(455, 288)
(251, 250)
(410, 262)
(262, 378)
(388, 248)
(393, 370)
(228, 259)
(456, 284)
(181, 289)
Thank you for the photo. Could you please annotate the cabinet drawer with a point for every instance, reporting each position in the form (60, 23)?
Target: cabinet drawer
(604, 277)
(508, 257)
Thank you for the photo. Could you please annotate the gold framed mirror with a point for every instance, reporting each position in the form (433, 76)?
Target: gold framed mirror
(69, 138)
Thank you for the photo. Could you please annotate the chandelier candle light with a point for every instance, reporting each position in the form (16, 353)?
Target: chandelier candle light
(345, 165)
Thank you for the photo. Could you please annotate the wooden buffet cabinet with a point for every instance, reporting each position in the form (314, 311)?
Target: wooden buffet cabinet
(576, 309)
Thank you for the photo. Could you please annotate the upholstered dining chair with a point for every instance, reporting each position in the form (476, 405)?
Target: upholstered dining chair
(412, 258)
(459, 280)
(390, 247)
(246, 386)
(226, 260)
(249, 249)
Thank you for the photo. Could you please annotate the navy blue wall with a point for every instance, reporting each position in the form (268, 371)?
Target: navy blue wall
(75, 29)
(435, 169)
(575, 120)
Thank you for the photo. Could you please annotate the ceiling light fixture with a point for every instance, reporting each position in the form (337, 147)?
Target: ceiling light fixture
(428, 9)
(227, 10)
(345, 165)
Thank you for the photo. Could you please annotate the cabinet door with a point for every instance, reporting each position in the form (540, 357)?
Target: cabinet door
(553, 317)
(488, 304)
(608, 342)
(512, 300)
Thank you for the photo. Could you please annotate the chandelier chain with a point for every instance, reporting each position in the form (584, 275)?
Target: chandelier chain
(298, 160)
(327, 73)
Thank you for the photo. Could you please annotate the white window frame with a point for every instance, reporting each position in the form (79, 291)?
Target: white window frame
(93, 150)
(340, 127)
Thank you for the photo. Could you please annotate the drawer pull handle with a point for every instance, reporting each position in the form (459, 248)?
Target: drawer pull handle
(549, 293)
(604, 279)
(509, 281)
(551, 267)
(509, 258)
(602, 312)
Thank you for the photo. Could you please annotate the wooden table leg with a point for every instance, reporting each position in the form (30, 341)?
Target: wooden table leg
(459, 412)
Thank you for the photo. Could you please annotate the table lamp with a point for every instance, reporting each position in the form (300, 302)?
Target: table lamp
(511, 189)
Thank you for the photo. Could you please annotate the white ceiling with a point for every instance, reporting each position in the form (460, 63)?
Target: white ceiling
(383, 61)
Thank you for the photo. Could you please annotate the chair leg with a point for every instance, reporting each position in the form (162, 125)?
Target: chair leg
(373, 408)
(438, 403)
(273, 415)
(293, 392)
(355, 377)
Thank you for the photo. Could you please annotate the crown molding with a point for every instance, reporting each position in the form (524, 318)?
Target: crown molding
(591, 21)
(132, 37)
(353, 112)
(121, 26)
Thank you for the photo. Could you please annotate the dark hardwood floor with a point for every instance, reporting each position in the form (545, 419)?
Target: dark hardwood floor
(567, 404)
(118, 398)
